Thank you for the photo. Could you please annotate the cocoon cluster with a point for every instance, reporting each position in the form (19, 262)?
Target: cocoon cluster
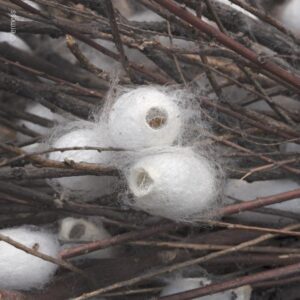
(176, 184)
(20, 270)
(165, 176)
(87, 186)
(72, 231)
(157, 127)
(144, 117)
(180, 285)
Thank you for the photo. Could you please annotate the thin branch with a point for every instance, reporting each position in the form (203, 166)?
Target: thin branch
(292, 79)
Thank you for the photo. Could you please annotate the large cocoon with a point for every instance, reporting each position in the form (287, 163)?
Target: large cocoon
(180, 285)
(74, 230)
(176, 184)
(20, 270)
(144, 117)
(88, 187)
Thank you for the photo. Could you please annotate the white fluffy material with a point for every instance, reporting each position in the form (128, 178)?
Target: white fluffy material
(144, 117)
(289, 16)
(22, 271)
(290, 148)
(14, 41)
(89, 187)
(176, 184)
(180, 285)
(74, 230)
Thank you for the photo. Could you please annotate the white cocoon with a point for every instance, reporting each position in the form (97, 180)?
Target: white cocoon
(289, 16)
(89, 187)
(176, 184)
(79, 230)
(180, 285)
(242, 190)
(43, 112)
(144, 117)
(14, 41)
(290, 148)
(22, 271)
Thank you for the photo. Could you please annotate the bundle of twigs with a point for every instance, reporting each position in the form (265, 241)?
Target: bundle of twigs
(258, 56)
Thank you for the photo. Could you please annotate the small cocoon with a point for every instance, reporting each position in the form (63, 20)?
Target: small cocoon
(74, 230)
(177, 184)
(144, 117)
(89, 187)
(20, 270)
(180, 285)
(40, 111)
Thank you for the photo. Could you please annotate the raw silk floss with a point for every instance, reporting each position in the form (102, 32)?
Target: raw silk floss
(168, 173)
(20, 270)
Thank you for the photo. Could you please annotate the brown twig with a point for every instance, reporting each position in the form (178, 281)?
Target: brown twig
(259, 202)
(230, 43)
(116, 240)
(181, 265)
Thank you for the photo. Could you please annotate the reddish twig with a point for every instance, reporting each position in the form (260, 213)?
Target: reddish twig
(230, 43)
(116, 240)
(259, 202)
